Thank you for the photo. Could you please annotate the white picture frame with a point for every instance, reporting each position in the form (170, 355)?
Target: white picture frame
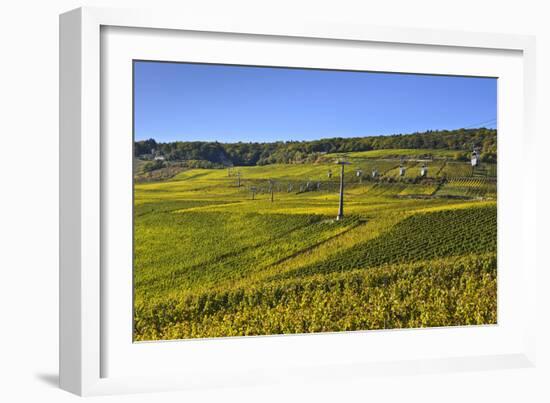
(87, 334)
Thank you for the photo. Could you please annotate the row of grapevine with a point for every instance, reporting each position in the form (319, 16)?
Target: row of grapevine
(450, 292)
(422, 236)
(469, 187)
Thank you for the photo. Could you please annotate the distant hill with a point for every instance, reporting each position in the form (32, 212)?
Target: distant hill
(247, 154)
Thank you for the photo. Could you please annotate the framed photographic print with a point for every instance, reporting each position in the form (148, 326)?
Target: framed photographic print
(244, 201)
(290, 222)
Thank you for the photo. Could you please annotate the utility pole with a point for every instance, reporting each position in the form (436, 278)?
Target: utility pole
(341, 202)
(238, 179)
(271, 189)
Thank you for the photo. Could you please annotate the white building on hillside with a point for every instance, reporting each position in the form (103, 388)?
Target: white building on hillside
(475, 158)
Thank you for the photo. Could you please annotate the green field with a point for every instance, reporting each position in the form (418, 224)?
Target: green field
(212, 258)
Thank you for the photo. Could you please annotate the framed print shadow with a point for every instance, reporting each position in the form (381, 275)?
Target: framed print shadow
(270, 200)
(250, 202)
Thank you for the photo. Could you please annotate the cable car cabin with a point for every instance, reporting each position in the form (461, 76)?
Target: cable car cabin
(374, 173)
(402, 171)
(359, 173)
(424, 170)
(475, 159)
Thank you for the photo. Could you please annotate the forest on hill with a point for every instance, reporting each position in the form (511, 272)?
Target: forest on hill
(249, 154)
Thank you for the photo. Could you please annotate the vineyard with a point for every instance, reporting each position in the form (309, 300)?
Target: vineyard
(256, 250)
(469, 187)
(436, 293)
(422, 236)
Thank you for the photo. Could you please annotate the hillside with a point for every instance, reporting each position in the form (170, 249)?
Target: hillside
(456, 144)
(257, 250)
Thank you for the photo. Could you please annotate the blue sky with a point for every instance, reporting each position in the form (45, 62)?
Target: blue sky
(199, 102)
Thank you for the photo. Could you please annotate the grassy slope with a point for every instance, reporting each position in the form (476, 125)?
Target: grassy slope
(210, 261)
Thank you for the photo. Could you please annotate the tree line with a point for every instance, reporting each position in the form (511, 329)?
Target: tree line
(247, 154)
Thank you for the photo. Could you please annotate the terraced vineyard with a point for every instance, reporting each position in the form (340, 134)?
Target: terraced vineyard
(456, 170)
(213, 258)
(469, 187)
